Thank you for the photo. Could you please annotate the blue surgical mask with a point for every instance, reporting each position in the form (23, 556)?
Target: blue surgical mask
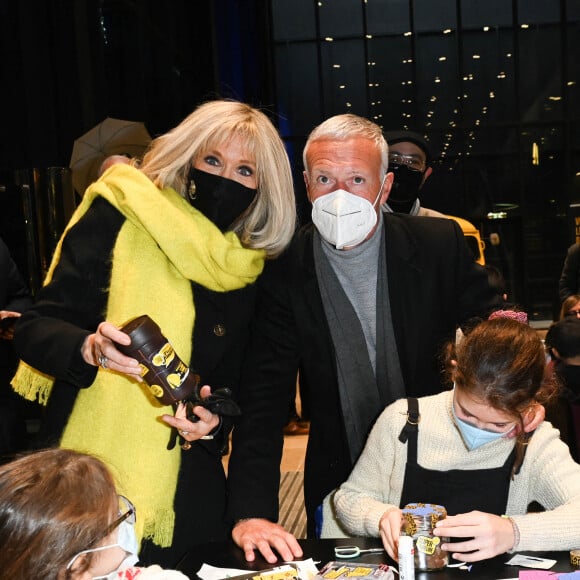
(475, 437)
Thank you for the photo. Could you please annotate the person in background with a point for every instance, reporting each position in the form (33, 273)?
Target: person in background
(182, 238)
(563, 344)
(569, 282)
(15, 298)
(409, 161)
(570, 307)
(61, 518)
(481, 450)
(360, 304)
(496, 280)
(113, 160)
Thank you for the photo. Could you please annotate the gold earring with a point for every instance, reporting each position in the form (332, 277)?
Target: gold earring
(191, 190)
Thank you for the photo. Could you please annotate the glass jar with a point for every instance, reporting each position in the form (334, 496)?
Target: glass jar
(419, 519)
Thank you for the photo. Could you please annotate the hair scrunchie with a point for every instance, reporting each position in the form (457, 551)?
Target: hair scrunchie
(513, 314)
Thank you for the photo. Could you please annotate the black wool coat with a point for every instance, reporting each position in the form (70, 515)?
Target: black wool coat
(434, 285)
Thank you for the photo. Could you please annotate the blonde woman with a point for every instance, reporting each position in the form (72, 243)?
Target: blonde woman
(182, 238)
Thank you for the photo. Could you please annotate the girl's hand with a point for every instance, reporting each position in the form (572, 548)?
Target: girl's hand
(487, 535)
(390, 530)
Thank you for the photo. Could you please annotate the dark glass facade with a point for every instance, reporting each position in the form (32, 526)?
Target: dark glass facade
(492, 85)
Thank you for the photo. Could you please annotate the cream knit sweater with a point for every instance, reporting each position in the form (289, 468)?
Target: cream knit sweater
(549, 475)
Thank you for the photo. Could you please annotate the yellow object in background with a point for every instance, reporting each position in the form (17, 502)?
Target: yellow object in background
(473, 238)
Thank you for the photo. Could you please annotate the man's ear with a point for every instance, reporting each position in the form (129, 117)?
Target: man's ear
(387, 184)
(426, 175)
(533, 416)
(306, 182)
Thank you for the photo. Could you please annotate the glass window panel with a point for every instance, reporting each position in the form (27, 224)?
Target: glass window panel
(572, 72)
(388, 16)
(542, 162)
(493, 13)
(488, 78)
(437, 84)
(540, 74)
(340, 18)
(298, 89)
(534, 12)
(293, 20)
(434, 15)
(573, 10)
(391, 66)
(344, 77)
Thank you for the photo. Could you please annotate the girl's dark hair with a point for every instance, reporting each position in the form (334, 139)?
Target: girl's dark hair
(54, 504)
(503, 362)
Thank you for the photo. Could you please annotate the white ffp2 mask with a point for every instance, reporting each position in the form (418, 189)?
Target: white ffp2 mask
(344, 219)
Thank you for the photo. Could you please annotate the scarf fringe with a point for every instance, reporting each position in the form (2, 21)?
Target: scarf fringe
(32, 384)
(158, 527)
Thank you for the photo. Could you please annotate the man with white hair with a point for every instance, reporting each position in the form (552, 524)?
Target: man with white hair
(361, 304)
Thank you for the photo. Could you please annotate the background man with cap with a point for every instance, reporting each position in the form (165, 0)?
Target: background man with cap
(409, 159)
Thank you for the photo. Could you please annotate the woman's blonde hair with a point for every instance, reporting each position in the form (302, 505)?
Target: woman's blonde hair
(271, 219)
(54, 504)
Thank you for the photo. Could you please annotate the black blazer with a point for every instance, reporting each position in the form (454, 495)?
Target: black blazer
(434, 285)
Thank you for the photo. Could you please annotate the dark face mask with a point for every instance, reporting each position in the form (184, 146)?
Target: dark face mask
(405, 190)
(219, 199)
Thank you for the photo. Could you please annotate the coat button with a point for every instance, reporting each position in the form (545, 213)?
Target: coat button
(219, 330)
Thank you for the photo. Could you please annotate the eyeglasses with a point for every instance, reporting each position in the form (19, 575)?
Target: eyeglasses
(571, 313)
(127, 512)
(411, 161)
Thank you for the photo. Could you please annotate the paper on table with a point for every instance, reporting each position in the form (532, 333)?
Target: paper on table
(207, 572)
(531, 562)
(537, 575)
(306, 570)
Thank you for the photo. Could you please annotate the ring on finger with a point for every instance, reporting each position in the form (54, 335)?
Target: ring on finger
(103, 360)
(184, 432)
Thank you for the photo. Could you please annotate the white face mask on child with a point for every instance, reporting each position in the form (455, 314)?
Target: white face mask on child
(127, 541)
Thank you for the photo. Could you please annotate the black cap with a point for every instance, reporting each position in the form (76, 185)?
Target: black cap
(393, 137)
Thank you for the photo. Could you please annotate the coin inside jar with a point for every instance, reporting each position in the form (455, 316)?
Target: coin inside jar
(419, 520)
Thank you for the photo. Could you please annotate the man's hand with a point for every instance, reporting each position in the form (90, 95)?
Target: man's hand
(263, 535)
(486, 535)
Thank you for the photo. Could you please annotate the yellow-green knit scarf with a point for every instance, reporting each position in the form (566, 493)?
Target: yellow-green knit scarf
(163, 245)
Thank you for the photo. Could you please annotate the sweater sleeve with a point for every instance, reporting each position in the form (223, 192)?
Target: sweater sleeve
(369, 491)
(552, 478)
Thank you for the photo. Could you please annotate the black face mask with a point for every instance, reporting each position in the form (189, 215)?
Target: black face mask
(405, 190)
(219, 199)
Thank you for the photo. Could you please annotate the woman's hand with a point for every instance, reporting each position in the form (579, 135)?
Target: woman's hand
(99, 350)
(486, 535)
(194, 431)
(7, 321)
(390, 530)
